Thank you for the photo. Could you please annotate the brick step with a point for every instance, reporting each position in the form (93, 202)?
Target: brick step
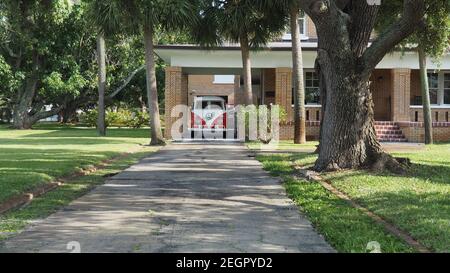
(387, 127)
(384, 123)
(390, 136)
(389, 132)
(392, 140)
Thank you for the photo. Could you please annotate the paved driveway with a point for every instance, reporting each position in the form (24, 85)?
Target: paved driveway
(185, 198)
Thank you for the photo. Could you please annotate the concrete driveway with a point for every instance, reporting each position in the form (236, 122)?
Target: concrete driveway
(185, 198)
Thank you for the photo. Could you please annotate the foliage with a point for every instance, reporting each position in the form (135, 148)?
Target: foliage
(433, 36)
(53, 151)
(260, 113)
(417, 202)
(119, 118)
(66, 46)
(230, 20)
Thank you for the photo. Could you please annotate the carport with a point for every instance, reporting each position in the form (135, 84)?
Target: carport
(271, 74)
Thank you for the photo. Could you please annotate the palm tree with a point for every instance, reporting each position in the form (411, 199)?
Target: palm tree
(132, 16)
(241, 21)
(101, 60)
(171, 16)
(290, 10)
(107, 17)
(425, 89)
(299, 88)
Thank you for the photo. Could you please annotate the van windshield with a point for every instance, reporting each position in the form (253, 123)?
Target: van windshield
(208, 105)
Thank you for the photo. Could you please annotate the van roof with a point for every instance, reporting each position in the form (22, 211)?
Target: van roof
(209, 98)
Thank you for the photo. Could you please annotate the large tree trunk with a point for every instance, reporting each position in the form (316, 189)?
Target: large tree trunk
(344, 28)
(152, 89)
(247, 67)
(69, 113)
(101, 58)
(428, 123)
(297, 73)
(348, 138)
(323, 97)
(25, 96)
(21, 119)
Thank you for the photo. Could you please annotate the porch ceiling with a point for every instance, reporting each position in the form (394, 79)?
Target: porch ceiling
(216, 71)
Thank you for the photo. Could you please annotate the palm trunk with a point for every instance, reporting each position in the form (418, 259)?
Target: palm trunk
(428, 124)
(101, 58)
(247, 66)
(299, 89)
(152, 89)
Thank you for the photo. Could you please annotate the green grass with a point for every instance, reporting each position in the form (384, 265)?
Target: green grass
(285, 145)
(29, 158)
(347, 229)
(418, 202)
(41, 207)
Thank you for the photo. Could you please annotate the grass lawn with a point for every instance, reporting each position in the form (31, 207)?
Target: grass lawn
(30, 158)
(41, 207)
(418, 202)
(285, 145)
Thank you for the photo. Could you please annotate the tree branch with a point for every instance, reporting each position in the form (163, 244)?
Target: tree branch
(363, 17)
(10, 51)
(45, 114)
(413, 13)
(126, 82)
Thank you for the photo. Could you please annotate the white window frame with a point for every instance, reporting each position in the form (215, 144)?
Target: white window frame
(224, 79)
(440, 91)
(288, 36)
(312, 105)
(443, 87)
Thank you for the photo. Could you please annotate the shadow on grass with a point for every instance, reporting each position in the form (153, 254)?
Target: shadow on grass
(426, 216)
(47, 141)
(89, 132)
(23, 169)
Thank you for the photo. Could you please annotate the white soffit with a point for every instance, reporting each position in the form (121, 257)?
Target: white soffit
(282, 57)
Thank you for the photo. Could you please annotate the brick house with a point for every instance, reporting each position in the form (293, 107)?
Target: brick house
(395, 85)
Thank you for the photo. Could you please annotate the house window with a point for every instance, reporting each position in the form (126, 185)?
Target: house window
(433, 84)
(312, 90)
(223, 79)
(302, 22)
(447, 88)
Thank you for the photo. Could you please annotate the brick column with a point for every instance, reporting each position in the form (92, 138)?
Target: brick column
(176, 93)
(283, 90)
(400, 94)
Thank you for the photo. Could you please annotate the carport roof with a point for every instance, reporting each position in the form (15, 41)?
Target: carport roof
(226, 59)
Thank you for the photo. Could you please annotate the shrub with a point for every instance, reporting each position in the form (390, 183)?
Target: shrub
(119, 118)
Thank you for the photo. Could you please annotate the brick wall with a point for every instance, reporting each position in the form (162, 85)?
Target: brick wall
(203, 85)
(310, 29)
(414, 131)
(312, 131)
(176, 93)
(283, 90)
(437, 114)
(381, 86)
(400, 94)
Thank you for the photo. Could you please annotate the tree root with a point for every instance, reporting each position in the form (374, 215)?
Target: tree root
(385, 161)
(158, 143)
